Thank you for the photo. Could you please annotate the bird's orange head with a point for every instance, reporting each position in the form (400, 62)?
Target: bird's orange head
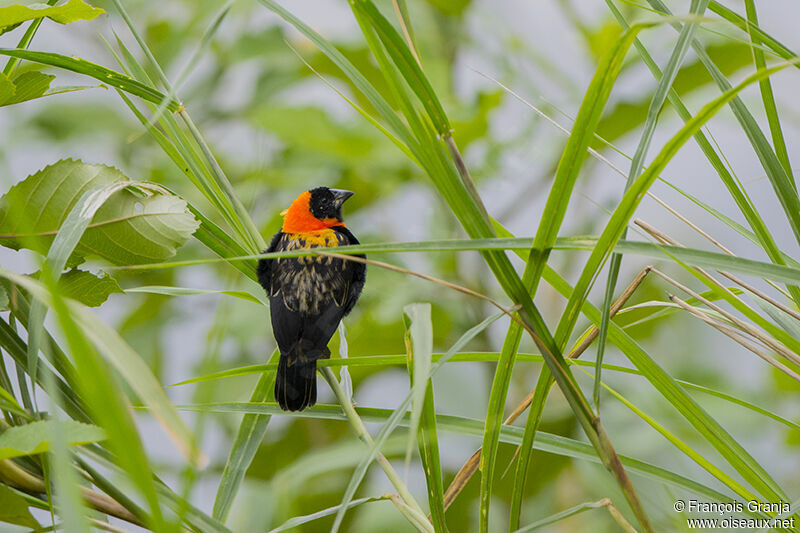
(315, 210)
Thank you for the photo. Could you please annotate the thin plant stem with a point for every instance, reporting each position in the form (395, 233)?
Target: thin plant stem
(362, 433)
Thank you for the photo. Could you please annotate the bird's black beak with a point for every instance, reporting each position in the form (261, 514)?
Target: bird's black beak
(339, 196)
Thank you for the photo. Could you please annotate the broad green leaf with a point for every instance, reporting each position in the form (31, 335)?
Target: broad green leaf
(140, 223)
(14, 510)
(34, 438)
(89, 289)
(7, 88)
(26, 86)
(69, 11)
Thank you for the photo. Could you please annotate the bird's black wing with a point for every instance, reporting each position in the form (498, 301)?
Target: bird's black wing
(265, 265)
(356, 272)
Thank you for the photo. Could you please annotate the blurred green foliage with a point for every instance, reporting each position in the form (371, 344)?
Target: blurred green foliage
(277, 129)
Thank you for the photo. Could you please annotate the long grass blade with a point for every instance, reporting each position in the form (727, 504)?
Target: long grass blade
(419, 344)
(546, 442)
(656, 104)
(248, 438)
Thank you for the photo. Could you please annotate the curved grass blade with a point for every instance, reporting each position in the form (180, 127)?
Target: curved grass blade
(715, 260)
(686, 449)
(186, 291)
(624, 211)
(98, 72)
(737, 192)
(25, 41)
(393, 421)
(297, 521)
(60, 250)
(251, 432)
(572, 511)
(707, 426)
(767, 96)
(752, 28)
(419, 344)
(107, 402)
(544, 441)
(569, 166)
(656, 104)
(359, 81)
(406, 64)
(126, 361)
(782, 185)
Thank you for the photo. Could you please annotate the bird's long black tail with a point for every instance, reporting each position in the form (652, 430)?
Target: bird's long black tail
(296, 383)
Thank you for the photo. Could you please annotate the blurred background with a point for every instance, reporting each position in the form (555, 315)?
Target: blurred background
(278, 129)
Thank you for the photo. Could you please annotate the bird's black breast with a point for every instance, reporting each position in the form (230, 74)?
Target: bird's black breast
(309, 285)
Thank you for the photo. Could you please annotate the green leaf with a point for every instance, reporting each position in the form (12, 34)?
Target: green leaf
(251, 432)
(70, 11)
(419, 343)
(14, 510)
(34, 438)
(138, 224)
(89, 289)
(125, 360)
(26, 86)
(406, 64)
(296, 521)
(569, 167)
(468, 426)
(7, 88)
(185, 291)
(93, 70)
(396, 416)
(581, 507)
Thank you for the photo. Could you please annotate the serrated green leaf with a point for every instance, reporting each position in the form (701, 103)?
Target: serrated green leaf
(140, 223)
(28, 86)
(89, 289)
(7, 88)
(14, 510)
(70, 11)
(34, 438)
